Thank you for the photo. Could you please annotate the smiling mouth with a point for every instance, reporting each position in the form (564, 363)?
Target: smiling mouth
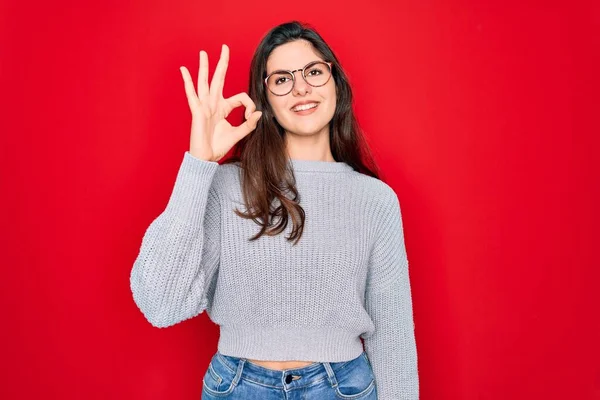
(305, 107)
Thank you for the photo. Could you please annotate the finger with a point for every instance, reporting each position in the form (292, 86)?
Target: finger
(189, 87)
(248, 126)
(203, 77)
(218, 80)
(242, 99)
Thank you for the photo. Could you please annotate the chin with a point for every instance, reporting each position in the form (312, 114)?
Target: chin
(307, 129)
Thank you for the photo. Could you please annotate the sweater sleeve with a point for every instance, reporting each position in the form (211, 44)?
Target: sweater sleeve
(391, 348)
(172, 276)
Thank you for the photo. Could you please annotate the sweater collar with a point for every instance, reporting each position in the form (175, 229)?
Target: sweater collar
(319, 166)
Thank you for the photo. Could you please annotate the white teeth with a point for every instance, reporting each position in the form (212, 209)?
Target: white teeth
(304, 107)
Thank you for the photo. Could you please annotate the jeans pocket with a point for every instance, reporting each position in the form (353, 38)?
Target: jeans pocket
(355, 379)
(220, 378)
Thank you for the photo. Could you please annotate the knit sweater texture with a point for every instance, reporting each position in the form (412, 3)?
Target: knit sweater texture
(346, 279)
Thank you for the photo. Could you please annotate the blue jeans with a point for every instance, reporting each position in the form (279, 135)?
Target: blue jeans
(237, 378)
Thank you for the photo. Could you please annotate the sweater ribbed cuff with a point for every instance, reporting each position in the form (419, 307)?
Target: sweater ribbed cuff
(190, 192)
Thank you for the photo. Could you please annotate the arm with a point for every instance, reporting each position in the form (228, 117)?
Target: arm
(392, 347)
(179, 254)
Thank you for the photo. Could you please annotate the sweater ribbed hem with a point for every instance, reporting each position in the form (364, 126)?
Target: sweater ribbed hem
(289, 343)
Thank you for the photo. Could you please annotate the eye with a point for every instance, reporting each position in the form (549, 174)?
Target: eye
(315, 72)
(281, 80)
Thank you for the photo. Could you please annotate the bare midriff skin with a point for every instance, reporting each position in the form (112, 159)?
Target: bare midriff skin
(281, 365)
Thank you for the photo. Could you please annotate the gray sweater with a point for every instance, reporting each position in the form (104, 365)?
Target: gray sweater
(346, 279)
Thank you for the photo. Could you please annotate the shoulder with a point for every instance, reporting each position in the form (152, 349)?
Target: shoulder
(380, 193)
(382, 202)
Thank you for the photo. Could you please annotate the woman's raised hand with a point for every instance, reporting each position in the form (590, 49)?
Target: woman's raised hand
(211, 135)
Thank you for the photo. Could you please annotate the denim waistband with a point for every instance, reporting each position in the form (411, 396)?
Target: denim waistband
(283, 379)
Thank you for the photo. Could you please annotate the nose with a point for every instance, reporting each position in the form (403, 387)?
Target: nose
(301, 88)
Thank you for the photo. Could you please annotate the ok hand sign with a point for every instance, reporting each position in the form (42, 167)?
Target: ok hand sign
(212, 136)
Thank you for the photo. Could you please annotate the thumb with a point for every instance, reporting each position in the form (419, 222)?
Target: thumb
(249, 125)
(253, 120)
(256, 116)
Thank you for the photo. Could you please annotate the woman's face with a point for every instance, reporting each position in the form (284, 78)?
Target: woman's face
(291, 56)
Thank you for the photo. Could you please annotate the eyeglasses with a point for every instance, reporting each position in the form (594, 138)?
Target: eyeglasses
(316, 73)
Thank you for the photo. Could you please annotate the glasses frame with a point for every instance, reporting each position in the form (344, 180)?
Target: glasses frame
(293, 74)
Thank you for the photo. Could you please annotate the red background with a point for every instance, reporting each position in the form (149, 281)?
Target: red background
(483, 118)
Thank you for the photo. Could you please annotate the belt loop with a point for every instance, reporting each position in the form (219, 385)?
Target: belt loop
(330, 374)
(238, 373)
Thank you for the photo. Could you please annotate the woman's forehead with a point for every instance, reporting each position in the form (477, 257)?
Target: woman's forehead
(292, 55)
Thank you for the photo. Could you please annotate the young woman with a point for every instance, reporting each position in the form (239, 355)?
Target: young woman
(293, 246)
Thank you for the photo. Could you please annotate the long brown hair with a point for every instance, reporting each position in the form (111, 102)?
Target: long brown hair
(267, 174)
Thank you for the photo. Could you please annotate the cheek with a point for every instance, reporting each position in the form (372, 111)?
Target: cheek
(331, 95)
(330, 92)
(277, 105)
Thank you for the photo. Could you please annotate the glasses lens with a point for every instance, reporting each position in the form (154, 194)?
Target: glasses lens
(280, 83)
(317, 74)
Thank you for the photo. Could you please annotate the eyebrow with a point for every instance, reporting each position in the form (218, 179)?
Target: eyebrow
(289, 70)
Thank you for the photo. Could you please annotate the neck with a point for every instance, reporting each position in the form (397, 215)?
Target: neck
(309, 147)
